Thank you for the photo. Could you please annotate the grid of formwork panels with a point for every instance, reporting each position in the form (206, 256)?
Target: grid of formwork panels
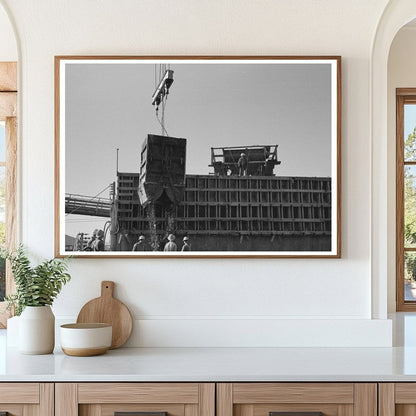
(237, 205)
(129, 211)
(255, 205)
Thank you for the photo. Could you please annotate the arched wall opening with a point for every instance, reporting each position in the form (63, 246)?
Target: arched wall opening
(401, 73)
(396, 15)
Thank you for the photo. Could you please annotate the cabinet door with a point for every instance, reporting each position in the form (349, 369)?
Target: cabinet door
(397, 399)
(297, 399)
(26, 399)
(142, 399)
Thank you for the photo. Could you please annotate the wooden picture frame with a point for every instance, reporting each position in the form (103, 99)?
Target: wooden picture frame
(208, 181)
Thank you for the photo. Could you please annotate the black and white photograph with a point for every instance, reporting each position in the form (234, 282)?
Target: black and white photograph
(197, 156)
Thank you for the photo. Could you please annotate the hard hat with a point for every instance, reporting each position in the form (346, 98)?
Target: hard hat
(185, 238)
(171, 237)
(100, 233)
(242, 154)
(142, 237)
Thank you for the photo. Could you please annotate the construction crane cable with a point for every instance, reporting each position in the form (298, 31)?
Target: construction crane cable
(164, 106)
(161, 124)
(163, 114)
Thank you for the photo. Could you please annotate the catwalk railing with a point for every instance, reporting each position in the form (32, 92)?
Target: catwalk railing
(86, 205)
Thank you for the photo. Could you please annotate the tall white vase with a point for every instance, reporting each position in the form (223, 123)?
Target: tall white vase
(37, 330)
(12, 334)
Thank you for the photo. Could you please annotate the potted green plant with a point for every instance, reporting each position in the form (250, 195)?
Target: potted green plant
(36, 289)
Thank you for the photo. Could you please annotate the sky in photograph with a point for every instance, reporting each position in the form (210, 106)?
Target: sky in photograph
(108, 106)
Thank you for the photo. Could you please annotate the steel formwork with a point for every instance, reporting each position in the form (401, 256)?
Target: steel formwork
(235, 206)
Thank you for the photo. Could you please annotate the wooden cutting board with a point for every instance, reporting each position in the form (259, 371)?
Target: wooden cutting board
(107, 309)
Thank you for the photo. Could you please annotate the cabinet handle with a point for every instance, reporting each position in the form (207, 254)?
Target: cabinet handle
(138, 414)
(295, 413)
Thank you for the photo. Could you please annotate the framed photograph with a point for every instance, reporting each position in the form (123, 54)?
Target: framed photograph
(198, 156)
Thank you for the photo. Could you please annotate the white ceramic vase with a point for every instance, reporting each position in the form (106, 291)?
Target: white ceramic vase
(12, 334)
(37, 330)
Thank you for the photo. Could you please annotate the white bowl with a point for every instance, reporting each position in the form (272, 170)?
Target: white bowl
(84, 340)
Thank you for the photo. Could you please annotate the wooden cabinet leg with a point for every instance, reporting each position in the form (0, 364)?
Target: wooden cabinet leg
(207, 399)
(365, 399)
(224, 399)
(386, 399)
(66, 399)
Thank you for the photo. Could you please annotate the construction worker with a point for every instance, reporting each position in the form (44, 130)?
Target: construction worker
(91, 241)
(242, 165)
(140, 245)
(171, 245)
(123, 241)
(186, 245)
(98, 244)
(79, 242)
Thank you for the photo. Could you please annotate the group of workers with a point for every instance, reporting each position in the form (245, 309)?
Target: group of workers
(242, 163)
(95, 243)
(169, 246)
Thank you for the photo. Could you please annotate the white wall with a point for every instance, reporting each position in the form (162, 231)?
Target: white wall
(8, 47)
(401, 74)
(203, 302)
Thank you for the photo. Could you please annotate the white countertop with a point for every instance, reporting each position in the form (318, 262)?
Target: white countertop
(215, 364)
(221, 364)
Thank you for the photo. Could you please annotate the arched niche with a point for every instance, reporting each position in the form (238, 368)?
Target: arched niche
(396, 15)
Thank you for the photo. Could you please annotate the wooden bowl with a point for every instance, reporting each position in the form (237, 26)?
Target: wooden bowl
(84, 340)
